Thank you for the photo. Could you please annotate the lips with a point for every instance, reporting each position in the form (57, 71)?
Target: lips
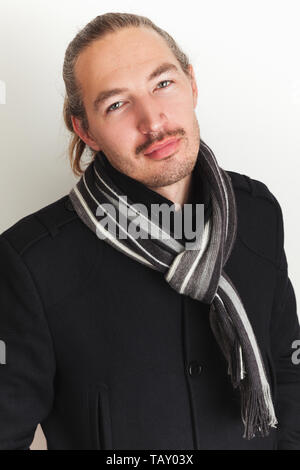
(169, 148)
(156, 147)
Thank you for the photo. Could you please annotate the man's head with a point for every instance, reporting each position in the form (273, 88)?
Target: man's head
(158, 103)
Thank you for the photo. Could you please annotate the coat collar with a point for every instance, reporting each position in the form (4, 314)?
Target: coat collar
(137, 192)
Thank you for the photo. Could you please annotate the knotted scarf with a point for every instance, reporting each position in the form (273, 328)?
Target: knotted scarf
(196, 272)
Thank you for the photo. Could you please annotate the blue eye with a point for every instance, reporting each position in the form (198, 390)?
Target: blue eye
(111, 109)
(164, 81)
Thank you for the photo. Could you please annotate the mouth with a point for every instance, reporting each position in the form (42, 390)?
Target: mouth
(164, 150)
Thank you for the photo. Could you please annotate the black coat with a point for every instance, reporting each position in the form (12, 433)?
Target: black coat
(106, 355)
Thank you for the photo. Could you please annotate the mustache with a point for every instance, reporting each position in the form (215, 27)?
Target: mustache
(159, 138)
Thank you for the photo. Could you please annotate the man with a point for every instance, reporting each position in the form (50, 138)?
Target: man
(139, 343)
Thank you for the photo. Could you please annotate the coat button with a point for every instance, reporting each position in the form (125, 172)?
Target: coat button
(194, 368)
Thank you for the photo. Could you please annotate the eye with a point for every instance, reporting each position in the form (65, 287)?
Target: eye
(111, 108)
(165, 81)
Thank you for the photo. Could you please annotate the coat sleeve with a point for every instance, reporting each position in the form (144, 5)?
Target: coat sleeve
(285, 340)
(27, 364)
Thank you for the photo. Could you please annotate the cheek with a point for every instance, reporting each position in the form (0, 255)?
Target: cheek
(122, 132)
(121, 136)
(185, 105)
(106, 130)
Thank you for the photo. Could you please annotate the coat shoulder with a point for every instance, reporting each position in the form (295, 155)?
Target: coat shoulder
(54, 245)
(260, 220)
(255, 188)
(41, 224)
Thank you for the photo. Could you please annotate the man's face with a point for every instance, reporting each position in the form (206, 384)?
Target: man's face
(124, 125)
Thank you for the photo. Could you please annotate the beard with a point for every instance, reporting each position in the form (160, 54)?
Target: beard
(177, 167)
(165, 172)
(171, 170)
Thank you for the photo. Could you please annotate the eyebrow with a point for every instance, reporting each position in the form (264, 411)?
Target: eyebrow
(106, 94)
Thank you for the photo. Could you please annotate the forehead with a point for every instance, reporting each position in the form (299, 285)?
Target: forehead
(130, 51)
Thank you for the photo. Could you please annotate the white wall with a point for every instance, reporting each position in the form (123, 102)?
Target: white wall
(246, 57)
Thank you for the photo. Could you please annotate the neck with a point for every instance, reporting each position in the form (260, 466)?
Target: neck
(179, 192)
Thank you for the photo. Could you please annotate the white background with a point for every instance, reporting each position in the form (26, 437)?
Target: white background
(246, 58)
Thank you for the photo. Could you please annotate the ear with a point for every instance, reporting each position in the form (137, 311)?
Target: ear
(193, 84)
(85, 136)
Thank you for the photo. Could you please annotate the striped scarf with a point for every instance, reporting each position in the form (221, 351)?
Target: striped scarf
(197, 273)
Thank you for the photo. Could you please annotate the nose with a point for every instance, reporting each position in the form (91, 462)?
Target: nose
(151, 117)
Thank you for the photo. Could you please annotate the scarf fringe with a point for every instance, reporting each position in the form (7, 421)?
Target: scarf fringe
(256, 406)
(257, 411)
